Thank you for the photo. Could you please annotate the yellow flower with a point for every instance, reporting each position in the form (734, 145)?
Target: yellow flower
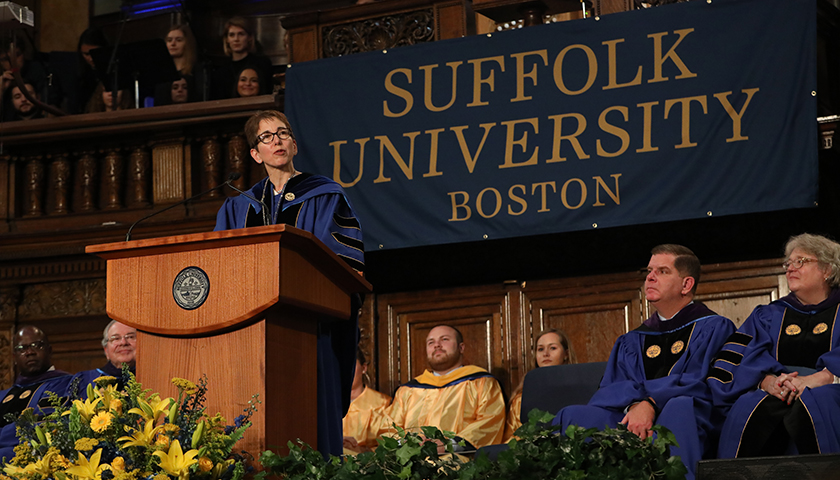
(205, 464)
(185, 385)
(140, 438)
(116, 406)
(105, 380)
(176, 462)
(118, 464)
(153, 408)
(85, 444)
(86, 408)
(100, 422)
(171, 428)
(162, 441)
(89, 468)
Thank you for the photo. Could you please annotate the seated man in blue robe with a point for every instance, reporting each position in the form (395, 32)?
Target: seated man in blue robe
(656, 373)
(119, 342)
(318, 205)
(37, 377)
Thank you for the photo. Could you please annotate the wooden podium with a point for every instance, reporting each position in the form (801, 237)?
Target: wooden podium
(255, 333)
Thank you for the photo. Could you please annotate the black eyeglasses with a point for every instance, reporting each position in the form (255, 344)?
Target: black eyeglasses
(268, 137)
(39, 345)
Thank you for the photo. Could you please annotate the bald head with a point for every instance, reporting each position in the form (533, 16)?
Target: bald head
(32, 351)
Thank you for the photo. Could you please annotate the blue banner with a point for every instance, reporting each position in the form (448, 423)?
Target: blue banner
(675, 112)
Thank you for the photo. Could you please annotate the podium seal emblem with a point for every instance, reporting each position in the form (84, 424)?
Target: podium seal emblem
(191, 288)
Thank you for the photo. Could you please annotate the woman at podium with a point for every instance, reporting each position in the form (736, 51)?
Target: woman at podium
(318, 205)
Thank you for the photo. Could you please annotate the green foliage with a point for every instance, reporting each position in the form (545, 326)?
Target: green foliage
(539, 453)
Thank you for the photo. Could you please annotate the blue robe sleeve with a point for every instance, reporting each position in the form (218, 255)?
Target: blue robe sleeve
(332, 220)
(746, 357)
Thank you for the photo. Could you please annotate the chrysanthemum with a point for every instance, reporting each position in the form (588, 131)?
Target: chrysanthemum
(116, 405)
(100, 422)
(205, 464)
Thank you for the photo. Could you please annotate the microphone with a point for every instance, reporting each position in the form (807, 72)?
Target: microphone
(231, 178)
(265, 211)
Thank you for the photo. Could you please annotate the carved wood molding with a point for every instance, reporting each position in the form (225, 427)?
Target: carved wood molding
(381, 33)
(29, 272)
(62, 299)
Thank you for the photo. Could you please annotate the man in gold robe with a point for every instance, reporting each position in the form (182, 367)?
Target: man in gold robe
(464, 399)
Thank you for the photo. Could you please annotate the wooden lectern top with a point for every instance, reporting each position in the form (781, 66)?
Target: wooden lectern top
(248, 270)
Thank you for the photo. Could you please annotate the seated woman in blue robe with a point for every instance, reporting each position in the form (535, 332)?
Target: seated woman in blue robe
(776, 374)
(318, 205)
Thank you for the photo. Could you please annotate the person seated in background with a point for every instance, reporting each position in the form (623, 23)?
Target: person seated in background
(87, 81)
(249, 83)
(182, 48)
(779, 371)
(656, 374)
(363, 400)
(21, 107)
(240, 46)
(12, 55)
(37, 378)
(103, 100)
(553, 348)
(464, 399)
(119, 341)
(180, 91)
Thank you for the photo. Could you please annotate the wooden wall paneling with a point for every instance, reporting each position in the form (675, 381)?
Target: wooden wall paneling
(734, 290)
(451, 20)
(592, 321)
(304, 44)
(6, 192)
(368, 337)
(405, 320)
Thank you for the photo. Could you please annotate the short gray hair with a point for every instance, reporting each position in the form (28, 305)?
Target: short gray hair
(105, 332)
(827, 252)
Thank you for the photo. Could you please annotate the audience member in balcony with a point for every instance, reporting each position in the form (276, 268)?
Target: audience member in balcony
(778, 372)
(87, 80)
(249, 83)
(18, 107)
(656, 374)
(240, 46)
(180, 91)
(32, 355)
(318, 205)
(363, 400)
(14, 55)
(464, 399)
(119, 341)
(102, 100)
(182, 47)
(553, 348)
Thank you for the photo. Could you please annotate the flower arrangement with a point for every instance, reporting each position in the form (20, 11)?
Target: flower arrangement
(129, 434)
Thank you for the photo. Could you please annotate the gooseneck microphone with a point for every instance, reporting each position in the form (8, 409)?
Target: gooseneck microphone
(231, 178)
(265, 211)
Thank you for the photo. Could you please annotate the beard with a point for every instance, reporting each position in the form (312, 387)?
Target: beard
(442, 363)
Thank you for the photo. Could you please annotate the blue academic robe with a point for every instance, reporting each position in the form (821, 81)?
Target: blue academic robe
(86, 377)
(28, 392)
(318, 205)
(640, 366)
(778, 338)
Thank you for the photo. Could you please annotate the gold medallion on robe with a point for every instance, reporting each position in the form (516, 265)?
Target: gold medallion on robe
(289, 196)
(793, 330)
(820, 328)
(677, 347)
(653, 351)
(25, 394)
(8, 398)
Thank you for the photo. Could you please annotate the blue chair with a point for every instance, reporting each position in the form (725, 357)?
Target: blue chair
(550, 389)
